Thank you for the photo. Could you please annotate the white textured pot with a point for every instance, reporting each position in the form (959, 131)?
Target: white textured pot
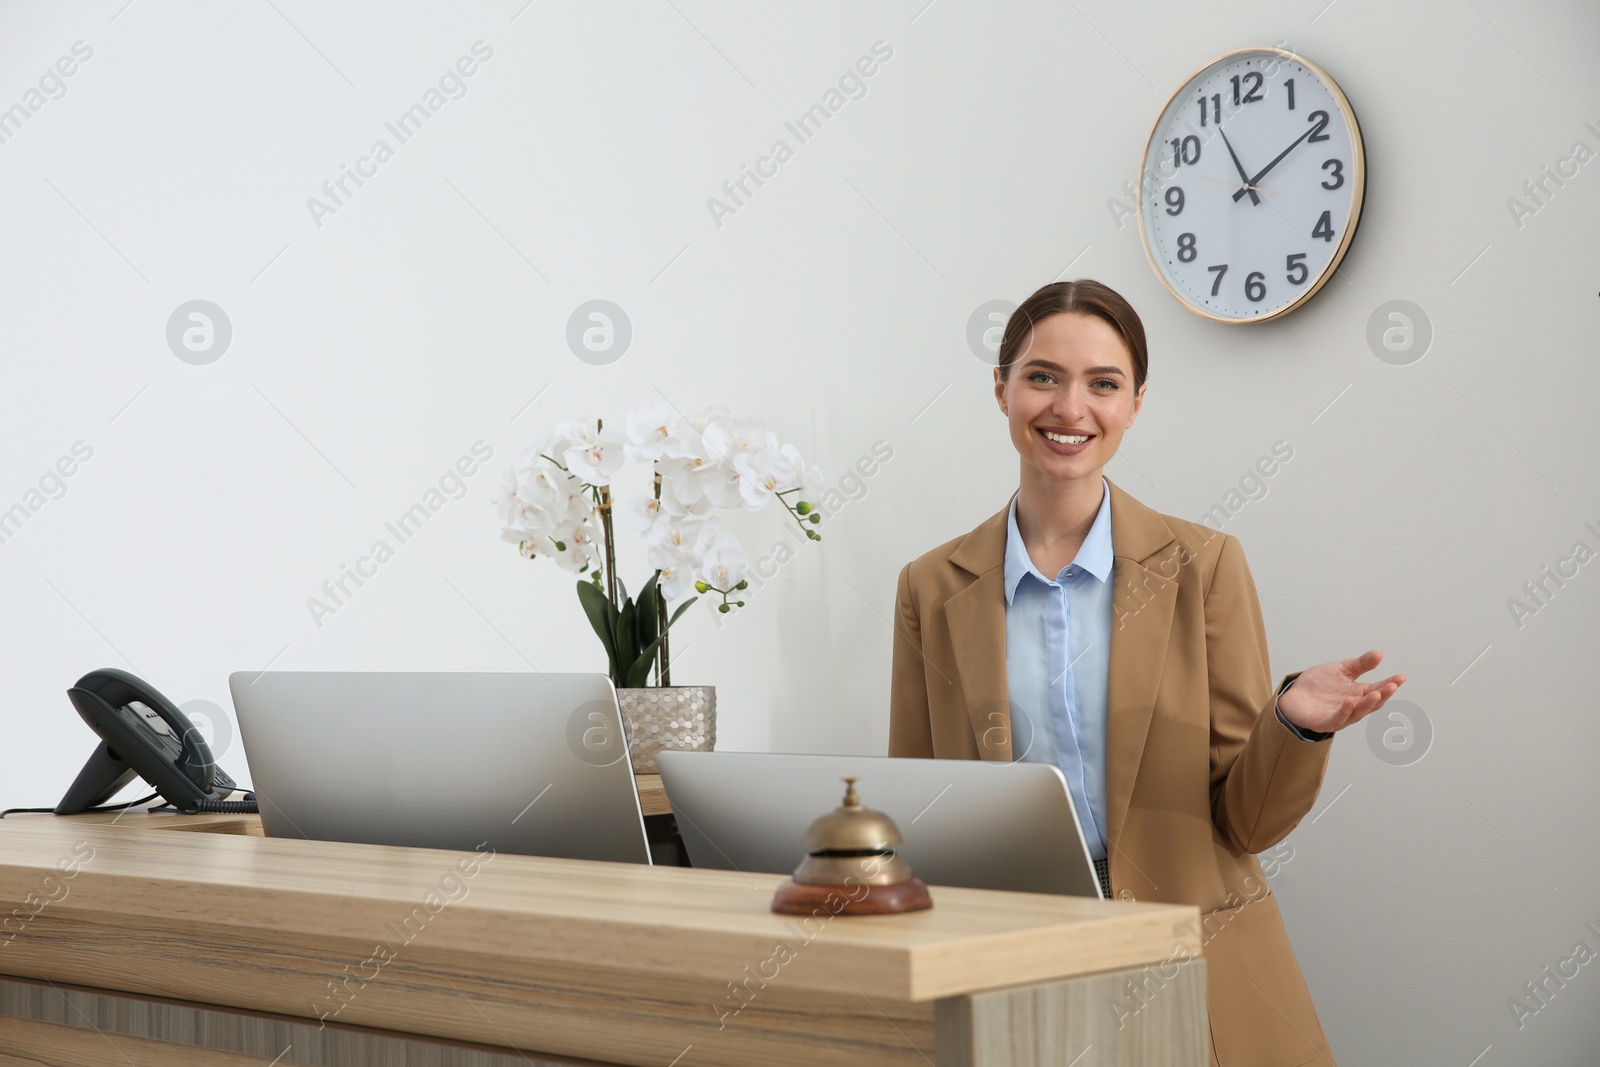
(672, 716)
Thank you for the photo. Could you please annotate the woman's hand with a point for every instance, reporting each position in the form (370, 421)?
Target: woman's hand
(1327, 697)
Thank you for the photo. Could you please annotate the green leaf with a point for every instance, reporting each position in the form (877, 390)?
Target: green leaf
(639, 673)
(627, 641)
(681, 609)
(622, 590)
(599, 611)
(644, 622)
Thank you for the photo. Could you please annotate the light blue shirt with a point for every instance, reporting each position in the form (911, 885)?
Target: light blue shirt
(1058, 653)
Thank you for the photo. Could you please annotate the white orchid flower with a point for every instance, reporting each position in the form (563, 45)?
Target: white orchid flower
(506, 500)
(720, 485)
(557, 441)
(807, 479)
(724, 564)
(580, 546)
(656, 431)
(706, 416)
(640, 512)
(516, 514)
(706, 461)
(533, 522)
(574, 431)
(694, 452)
(545, 486)
(581, 510)
(763, 473)
(597, 460)
(707, 537)
(676, 506)
(811, 484)
(686, 535)
(677, 572)
(727, 438)
(683, 481)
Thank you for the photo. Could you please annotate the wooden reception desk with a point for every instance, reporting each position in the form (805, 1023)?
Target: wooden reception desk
(123, 941)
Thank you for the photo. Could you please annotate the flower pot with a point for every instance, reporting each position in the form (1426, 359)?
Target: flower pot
(674, 716)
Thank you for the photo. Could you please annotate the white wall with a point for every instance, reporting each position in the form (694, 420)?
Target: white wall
(371, 351)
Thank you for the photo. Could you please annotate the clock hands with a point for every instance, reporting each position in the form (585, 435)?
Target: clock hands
(1274, 163)
(1225, 181)
(1248, 186)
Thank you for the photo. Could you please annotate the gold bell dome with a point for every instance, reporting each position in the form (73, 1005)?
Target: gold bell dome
(852, 840)
(852, 866)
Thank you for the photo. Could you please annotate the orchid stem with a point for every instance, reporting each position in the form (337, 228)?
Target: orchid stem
(663, 659)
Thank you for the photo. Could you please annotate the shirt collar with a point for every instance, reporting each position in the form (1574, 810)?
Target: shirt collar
(1094, 556)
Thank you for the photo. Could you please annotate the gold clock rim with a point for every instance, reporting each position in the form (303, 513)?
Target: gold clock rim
(1358, 194)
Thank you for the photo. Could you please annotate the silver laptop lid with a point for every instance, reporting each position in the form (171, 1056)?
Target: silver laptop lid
(529, 763)
(975, 823)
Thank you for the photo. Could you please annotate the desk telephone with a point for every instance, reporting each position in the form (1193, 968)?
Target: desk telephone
(143, 733)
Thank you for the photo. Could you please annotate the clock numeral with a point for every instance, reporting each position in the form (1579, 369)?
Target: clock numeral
(1292, 265)
(1338, 173)
(1216, 109)
(1255, 90)
(1216, 283)
(1186, 252)
(1186, 150)
(1324, 227)
(1255, 286)
(1321, 119)
(1174, 200)
(1289, 85)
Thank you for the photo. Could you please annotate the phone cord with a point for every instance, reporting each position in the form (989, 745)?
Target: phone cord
(229, 807)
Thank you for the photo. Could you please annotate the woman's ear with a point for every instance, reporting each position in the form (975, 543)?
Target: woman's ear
(1138, 402)
(1000, 392)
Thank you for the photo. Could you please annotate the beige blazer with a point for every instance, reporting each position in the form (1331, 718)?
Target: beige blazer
(1200, 774)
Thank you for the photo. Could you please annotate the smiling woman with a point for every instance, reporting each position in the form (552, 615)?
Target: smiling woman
(1127, 648)
(1080, 361)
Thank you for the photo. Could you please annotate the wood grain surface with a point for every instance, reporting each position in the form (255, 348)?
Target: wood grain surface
(34, 1044)
(652, 795)
(621, 962)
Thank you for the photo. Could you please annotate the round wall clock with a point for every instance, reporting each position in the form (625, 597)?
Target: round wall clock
(1251, 185)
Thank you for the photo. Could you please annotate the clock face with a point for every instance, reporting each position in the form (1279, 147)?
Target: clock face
(1251, 185)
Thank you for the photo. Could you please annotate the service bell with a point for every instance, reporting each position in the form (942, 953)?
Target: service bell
(851, 866)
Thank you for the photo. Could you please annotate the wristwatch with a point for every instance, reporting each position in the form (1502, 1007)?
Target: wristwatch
(1300, 732)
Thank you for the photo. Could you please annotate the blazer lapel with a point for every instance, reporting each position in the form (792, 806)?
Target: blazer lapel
(976, 617)
(1144, 593)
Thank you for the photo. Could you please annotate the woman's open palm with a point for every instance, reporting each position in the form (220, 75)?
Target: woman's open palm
(1328, 697)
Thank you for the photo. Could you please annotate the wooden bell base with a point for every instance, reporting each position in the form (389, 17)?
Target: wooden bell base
(801, 898)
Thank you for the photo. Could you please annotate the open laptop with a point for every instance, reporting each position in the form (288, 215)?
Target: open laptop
(965, 822)
(529, 763)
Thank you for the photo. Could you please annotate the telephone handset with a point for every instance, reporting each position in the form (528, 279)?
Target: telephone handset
(142, 733)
